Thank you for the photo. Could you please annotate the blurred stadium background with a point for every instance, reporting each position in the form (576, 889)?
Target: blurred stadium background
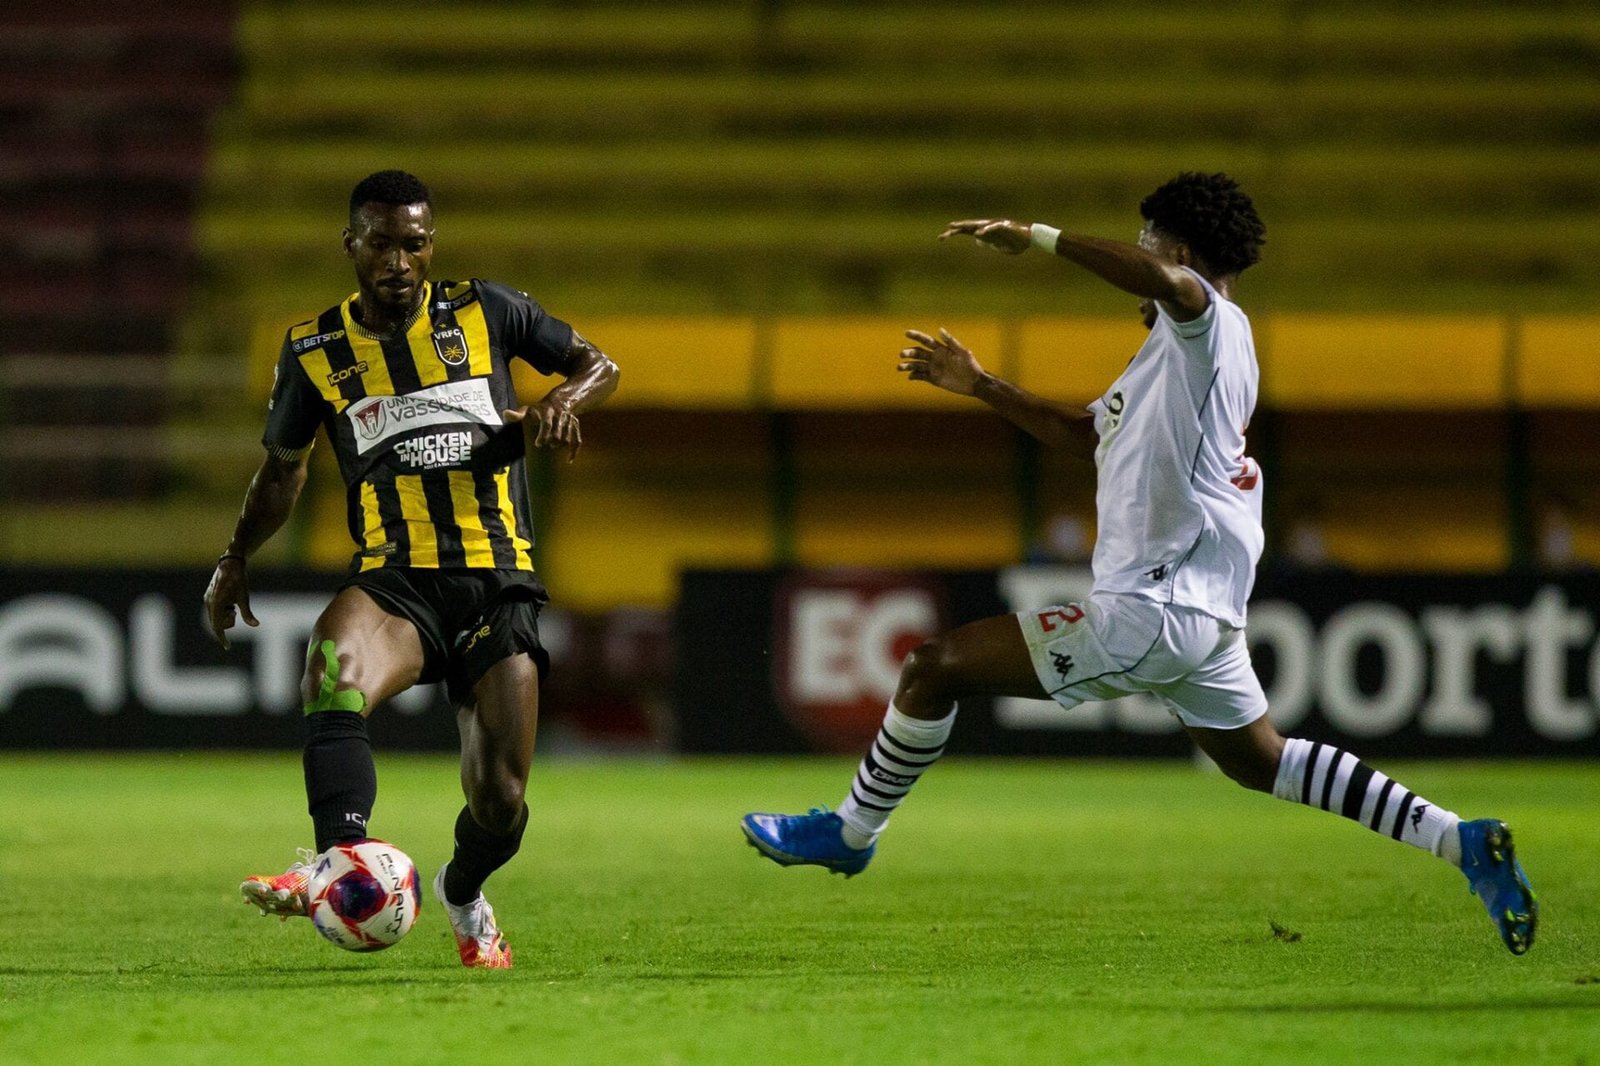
(738, 201)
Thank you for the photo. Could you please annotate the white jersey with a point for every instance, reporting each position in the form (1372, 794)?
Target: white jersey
(1179, 502)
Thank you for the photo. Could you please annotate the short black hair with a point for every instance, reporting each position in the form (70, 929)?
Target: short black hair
(388, 187)
(1212, 215)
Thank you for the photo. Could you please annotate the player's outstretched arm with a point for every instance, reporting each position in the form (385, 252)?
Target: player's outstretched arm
(946, 363)
(267, 505)
(1127, 266)
(554, 419)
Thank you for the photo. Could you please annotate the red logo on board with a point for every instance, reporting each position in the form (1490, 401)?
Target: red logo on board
(839, 639)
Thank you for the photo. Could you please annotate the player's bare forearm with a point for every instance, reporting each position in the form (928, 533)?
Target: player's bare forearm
(1129, 267)
(592, 381)
(1070, 430)
(554, 419)
(946, 363)
(1135, 271)
(267, 503)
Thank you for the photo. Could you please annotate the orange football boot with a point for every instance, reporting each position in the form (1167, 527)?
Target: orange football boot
(282, 894)
(478, 938)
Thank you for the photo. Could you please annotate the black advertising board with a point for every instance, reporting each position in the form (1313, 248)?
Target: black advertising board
(114, 658)
(1435, 665)
(794, 661)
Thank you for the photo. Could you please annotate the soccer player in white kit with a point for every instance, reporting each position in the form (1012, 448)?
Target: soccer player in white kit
(1179, 507)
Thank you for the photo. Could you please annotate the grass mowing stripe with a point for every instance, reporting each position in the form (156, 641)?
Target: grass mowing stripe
(1018, 911)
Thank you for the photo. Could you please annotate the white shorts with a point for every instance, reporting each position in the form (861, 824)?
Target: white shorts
(1117, 645)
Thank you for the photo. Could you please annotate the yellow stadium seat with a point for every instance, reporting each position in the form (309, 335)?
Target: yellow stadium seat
(1074, 360)
(1558, 362)
(1403, 528)
(1376, 361)
(652, 494)
(843, 363)
(915, 526)
(613, 543)
(693, 362)
(266, 338)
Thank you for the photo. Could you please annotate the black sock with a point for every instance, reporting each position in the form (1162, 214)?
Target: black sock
(341, 781)
(479, 853)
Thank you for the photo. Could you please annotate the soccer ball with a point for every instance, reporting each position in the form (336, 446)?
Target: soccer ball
(364, 897)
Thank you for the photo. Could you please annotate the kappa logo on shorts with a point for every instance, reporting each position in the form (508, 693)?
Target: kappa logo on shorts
(1063, 663)
(451, 344)
(1157, 574)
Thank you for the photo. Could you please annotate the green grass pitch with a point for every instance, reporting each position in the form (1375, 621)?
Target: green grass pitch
(1017, 912)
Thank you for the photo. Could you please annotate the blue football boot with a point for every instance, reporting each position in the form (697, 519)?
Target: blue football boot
(811, 839)
(1497, 879)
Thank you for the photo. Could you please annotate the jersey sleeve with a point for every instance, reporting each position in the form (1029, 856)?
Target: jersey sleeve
(1195, 335)
(294, 411)
(528, 331)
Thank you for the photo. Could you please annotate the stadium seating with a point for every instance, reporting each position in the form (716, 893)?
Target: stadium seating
(104, 114)
(696, 156)
(740, 202)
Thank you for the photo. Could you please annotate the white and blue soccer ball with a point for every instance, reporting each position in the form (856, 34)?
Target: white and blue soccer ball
(364, 896)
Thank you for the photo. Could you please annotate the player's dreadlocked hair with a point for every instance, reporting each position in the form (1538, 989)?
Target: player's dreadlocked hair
(1212, 215)
(388, 187)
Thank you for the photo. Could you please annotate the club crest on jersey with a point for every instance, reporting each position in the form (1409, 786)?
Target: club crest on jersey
(368, 418)
(451, 344)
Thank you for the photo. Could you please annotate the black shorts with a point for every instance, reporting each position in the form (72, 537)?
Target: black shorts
(468, 619)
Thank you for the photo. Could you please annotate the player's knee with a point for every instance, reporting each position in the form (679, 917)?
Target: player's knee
(497, 800)
(330, 684)
(927, 671)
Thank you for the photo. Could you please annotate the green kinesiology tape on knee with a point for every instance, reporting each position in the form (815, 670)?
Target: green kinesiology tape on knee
(329, 696)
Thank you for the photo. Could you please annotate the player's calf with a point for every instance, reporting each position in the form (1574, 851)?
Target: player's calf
(1320, 775)
(479, 852)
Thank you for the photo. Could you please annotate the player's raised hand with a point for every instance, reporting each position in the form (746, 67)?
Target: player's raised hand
(229, 589)
(1001, 234)
(554, 425)
(942, 361)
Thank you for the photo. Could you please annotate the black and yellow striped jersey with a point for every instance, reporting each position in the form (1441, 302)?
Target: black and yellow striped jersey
(434, 475)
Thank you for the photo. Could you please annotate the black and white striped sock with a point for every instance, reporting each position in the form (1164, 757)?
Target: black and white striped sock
(905, 747)
(1321, 775)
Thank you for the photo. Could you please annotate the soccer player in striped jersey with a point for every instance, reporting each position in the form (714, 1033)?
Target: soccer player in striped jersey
(410, 380)
(1179, 506)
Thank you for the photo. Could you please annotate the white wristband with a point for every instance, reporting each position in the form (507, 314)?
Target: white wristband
(1044, 237)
